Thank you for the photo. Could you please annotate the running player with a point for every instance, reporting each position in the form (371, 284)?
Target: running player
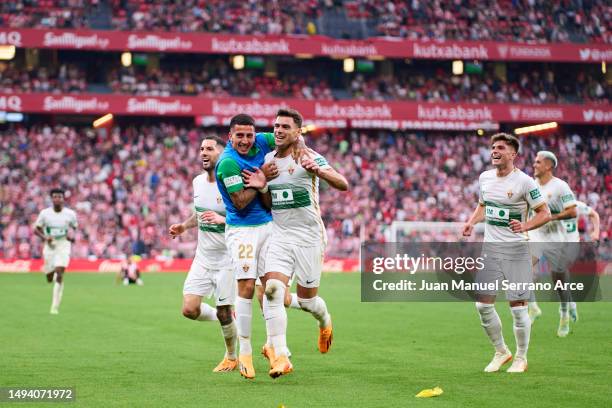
(248, 222)
(298, 239)
(550, 238)
(210, 272)
(572, 236)
(55, 226)
(506, 193)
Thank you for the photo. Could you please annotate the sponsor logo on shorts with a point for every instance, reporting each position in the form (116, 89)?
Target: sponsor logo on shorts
(310, 282)
(245, 268)
(222, 299)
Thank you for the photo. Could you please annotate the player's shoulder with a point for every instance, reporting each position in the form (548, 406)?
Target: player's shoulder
(199, 178)
(45, 211)
(487, 174)
(269, 156)
(523, 177)
(69, 211)
(561, 183)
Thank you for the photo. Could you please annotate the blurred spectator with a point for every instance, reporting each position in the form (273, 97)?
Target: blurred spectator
(404, 176)
(531, 21)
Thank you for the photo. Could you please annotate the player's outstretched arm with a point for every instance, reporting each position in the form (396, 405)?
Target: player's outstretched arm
(329, 174)
(476, 217)
(541, 217)
(594, 219)
(569, 212)
(177, 229)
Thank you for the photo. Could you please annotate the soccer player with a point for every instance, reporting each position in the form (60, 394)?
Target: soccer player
(298, 239)
(550, 238)
(506, 194)
(572, 235)
(248, 222)
(210, 271)
(55, 226)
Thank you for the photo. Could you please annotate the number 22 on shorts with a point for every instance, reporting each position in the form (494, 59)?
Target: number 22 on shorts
(245, 251)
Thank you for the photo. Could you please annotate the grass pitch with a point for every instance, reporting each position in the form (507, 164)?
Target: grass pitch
(130, 347)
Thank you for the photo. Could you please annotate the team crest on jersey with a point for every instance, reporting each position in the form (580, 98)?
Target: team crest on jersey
(291, 169)
(510, 194)
(245, 268)
(219, 200)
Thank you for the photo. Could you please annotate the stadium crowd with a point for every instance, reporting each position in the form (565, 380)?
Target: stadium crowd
(215, 78)
(126, 193)
(533, 21)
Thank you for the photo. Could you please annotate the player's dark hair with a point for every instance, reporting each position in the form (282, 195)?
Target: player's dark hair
(57, 191)
(291, 113)
(509, 139)
(242, 119)
(219, 141)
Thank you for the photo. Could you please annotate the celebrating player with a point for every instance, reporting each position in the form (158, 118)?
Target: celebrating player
(210, 271)
(248, 222)
(550, 238)
(53, 226)
(298, 239)
(506, 193)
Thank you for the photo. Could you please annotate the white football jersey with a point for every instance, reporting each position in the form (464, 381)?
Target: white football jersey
(559, 197)
(56, 224)
(211, 250)
(571, 225)
(505, 199)
(295, 202)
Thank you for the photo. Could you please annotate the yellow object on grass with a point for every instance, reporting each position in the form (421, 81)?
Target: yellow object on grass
(428, 393)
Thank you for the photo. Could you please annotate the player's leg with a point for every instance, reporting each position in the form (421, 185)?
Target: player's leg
(242, 245)
(489, 319)
(559, 273)
(198, 285)
(58, 289)
(309, 263)
(519, 271)
(276, 322)
(60, 261)
(291, 299)
(225, 293)
(533, 307)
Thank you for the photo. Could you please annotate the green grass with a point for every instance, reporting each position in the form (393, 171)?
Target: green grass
(130, 347)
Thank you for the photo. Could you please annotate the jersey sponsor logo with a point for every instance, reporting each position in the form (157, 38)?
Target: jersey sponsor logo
(567, 197)
(535, 194)
(320, 161)
(232, 181)
(497, 213)
(282, 196)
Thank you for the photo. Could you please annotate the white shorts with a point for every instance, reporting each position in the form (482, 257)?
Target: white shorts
(516, 271)
(557, 255)
(291, 260)
(56, 257)
(205, 282)
(247, 248)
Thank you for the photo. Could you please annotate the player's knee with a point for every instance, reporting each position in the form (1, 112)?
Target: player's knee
(191, 312)
(224, 314)
(59, 277)
(484, 308)
(275, 289)
(246, 288)
(306, 304)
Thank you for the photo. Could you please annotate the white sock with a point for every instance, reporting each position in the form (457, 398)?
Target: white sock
(492, 325)
(276, 315)
(294, 302)
(207, 313)
(58, 291)
(244, 317)
(522, 330)
(317, 307)
(230, 333)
